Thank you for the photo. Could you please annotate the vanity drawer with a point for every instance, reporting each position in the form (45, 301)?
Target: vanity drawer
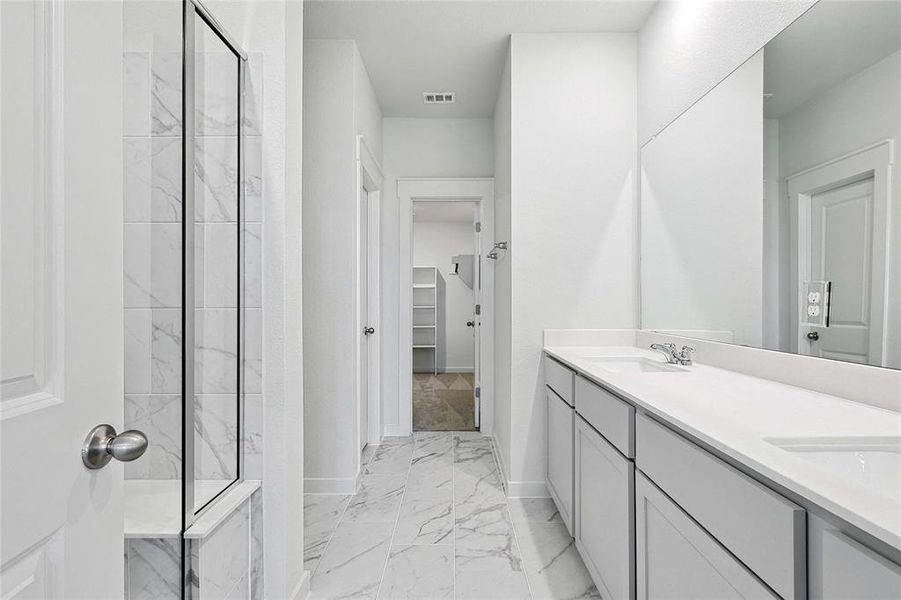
(559, 378)
(764, 530)
(612, 417)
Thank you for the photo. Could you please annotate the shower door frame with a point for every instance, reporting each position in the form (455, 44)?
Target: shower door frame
(194, 9)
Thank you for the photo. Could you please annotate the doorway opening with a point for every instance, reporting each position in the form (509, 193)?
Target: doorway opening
(447, 291)
(444, 298)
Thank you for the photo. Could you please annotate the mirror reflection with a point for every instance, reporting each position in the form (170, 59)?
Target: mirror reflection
(770, 212)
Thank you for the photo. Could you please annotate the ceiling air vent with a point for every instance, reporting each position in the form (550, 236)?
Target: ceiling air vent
(439, 97)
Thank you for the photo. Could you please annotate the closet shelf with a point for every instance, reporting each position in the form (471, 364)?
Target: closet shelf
(428, 286)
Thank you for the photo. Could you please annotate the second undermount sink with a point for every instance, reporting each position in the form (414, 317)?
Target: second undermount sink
(870, 462)
(632, 364)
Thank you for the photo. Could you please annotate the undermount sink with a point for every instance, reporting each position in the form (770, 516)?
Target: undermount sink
(870, 462)
(632, 364)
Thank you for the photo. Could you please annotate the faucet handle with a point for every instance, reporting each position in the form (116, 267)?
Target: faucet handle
(688, 350)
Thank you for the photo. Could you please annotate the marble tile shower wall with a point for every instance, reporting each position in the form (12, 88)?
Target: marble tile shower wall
(153, 210)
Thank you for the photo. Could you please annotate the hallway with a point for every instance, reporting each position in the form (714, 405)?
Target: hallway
(431, 521)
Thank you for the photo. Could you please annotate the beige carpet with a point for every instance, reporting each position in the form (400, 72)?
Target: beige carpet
(443, 402)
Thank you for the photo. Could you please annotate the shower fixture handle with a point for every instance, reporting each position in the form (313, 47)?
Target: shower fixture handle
(103, 445)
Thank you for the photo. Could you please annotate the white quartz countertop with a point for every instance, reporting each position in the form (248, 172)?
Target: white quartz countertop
(741, 416)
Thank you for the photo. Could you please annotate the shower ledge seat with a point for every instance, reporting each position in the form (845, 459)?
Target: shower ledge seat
(153, 507)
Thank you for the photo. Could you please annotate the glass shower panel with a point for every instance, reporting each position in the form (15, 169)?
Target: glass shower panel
(217, 304)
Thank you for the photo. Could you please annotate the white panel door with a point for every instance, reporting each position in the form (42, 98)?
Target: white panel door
(61, 525)
(841, 250)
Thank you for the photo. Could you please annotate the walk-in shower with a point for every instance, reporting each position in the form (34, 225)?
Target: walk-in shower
(186, 125)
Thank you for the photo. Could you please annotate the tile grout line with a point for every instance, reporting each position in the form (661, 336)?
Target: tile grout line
(500, 477)
(400, 508)
(334, 529)
(525, 572)
(453, 457)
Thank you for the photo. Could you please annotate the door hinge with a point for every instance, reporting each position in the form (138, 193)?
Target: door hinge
(478, 227)
(478, 391)
(478, 309)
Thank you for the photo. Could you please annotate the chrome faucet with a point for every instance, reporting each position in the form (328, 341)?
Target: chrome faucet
(673, 356)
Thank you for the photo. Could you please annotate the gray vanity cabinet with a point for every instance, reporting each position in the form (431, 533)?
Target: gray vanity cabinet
(560, 424)
(605, 512)
(840, 567)
(676, 558)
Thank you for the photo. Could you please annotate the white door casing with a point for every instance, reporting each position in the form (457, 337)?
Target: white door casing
(367, 353)
(481, 191)
(859, 186)
(477, 318)
(61, 525)
(363, 300)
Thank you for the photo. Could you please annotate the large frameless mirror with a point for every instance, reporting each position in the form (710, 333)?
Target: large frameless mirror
(770, 214)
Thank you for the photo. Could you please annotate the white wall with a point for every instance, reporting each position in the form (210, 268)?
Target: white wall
(687, 46)
(573, 247)
(434, 243)
(859, 111)
(419, 148)
(702, 214)
(503, 344)
(338, 105)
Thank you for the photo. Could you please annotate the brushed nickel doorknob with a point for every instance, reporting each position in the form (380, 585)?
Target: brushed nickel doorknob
(103, 445)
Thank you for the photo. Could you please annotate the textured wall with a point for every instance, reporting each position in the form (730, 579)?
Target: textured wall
(686, 47)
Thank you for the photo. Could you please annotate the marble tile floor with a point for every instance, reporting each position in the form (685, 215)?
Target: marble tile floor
(443, 402)
(431, 520)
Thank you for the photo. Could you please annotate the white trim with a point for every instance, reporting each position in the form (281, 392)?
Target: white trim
(875, 160)
(395, 430)
(369, 176)
(481, 190)
(527, 489)
(330, 485)
(302, 590)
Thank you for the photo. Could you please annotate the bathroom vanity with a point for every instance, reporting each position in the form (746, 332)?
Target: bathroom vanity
(696, 481)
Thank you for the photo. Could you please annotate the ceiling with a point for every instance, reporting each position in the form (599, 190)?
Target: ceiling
(825, 46)
(444, 212)
(413, 46)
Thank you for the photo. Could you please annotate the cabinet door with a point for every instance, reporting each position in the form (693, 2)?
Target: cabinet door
(560, 455)
(842, 568)
(605, 517)
(677, 559)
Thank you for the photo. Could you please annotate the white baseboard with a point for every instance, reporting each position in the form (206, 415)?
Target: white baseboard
(326, 485)
(302, 589)
(527, 489)
(517, 489)
(458, 370)
(396, 431)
